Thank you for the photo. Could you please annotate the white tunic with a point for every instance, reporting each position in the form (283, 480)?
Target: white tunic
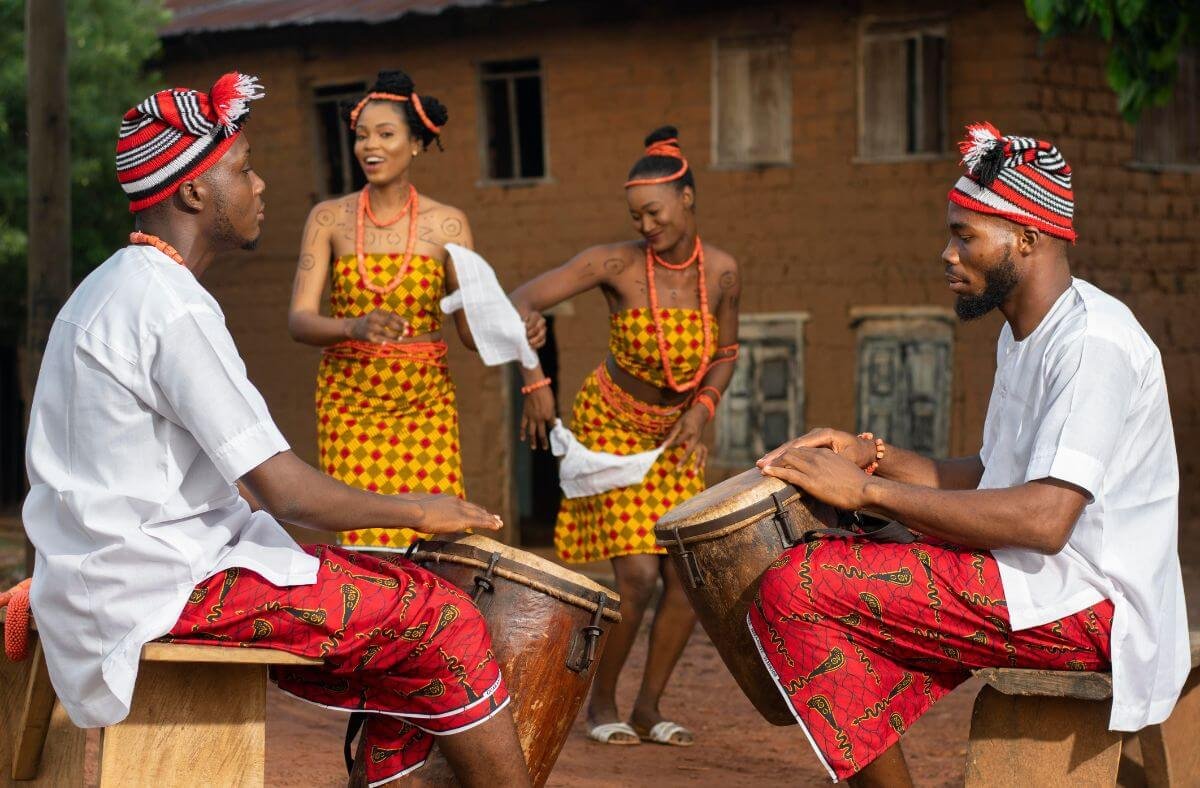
(142, 420)
(1083, 399)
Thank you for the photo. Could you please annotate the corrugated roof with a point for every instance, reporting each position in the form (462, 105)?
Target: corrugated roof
(212, 16)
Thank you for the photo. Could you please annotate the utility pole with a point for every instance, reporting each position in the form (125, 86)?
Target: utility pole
(49, 184)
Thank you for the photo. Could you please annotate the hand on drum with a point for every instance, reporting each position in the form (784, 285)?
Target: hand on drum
(535, 330)
(858, 450)
(445, 514)
(822, 473)
(380, 326)
(688, 434)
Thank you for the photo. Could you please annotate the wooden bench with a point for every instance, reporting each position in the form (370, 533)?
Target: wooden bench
(198, 717)
(1050, 728)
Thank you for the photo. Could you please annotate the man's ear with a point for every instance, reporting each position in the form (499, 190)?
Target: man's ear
(193, 195)
(1028, 239)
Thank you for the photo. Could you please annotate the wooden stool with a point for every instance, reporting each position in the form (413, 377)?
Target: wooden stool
(198, 717)
(1050, 728)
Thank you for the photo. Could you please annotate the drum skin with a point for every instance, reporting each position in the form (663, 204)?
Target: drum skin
(732, 532)
(534, 636)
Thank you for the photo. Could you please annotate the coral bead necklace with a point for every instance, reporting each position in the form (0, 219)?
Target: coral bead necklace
(660, 333)
(364, 212)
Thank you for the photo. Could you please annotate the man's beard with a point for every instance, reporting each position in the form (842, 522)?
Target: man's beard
(224, 228)
(999, 283)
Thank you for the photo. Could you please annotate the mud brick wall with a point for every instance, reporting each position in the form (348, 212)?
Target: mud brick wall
(825, 234)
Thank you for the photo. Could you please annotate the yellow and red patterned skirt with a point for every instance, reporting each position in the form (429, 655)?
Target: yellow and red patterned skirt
(621, 521)
(387, 422)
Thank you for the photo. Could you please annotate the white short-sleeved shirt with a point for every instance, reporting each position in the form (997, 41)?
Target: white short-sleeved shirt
(1083, 399)
(142, 420)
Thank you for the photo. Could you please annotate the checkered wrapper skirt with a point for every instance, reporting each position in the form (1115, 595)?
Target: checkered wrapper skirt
(388, 425)
(621, 521)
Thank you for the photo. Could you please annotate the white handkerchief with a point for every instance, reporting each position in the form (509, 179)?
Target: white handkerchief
(584, 472)
(498, 330)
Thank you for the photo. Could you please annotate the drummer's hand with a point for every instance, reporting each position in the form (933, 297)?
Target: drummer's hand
(688, 434)
(380, 326)
(535, 330)
(826, 476)
(445, 514)
(858, 450)
(538, 416)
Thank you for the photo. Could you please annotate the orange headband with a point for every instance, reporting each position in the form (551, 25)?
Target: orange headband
(670, 149)
(416, 102)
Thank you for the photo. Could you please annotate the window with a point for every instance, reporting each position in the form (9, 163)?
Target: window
(512, 111)
(763, 405)
(904, 375)
(752, 94)
(341, 173)
(1170, 135)
(901, 98)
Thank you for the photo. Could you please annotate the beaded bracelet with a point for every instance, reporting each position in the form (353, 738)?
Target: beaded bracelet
(710, 398)
(879, 451)
(532, 387)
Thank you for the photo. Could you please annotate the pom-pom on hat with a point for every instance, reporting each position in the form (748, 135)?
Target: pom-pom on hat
(1022, 179)
(177, 134)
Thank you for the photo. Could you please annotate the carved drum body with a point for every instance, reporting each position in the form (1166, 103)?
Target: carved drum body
(721, 541)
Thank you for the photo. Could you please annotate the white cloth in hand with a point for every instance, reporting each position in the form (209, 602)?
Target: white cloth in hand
(498, 330)
(584, 472)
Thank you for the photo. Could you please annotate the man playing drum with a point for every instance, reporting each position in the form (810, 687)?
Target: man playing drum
(142, 422)
(1054, 547)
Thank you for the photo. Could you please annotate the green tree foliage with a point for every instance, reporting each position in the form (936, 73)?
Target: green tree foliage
(109, 44)
(1144, 36)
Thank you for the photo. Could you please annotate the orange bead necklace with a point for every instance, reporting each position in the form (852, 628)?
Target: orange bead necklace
(411, 206)
(145, 239)
(664, 352)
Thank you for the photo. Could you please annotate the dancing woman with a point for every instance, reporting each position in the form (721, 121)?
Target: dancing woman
(673, 320)
(386, 411)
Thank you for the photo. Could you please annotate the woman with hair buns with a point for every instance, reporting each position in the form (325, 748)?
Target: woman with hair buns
(386, 412)
(673, 321)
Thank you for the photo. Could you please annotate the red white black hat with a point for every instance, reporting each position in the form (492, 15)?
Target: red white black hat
(177, 134)
(1022, 179)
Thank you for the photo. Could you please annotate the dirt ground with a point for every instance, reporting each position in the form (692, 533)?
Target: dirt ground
(735, 748)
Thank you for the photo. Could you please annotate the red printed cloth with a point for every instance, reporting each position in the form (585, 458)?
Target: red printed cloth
(396, 639)
(862, 637)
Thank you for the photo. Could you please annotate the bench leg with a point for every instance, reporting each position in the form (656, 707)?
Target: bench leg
(190, 724)
(35, 719)
(62, 761)
(1170, 751)
(1040, 741)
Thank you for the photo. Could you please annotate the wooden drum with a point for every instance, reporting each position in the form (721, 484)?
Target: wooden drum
(547, 625)
(721, 541)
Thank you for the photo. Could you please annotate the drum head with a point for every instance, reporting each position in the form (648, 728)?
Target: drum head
(741, 499)
(521, 567)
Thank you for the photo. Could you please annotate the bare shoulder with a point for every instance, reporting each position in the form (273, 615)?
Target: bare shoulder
(446, 221)
(615, 258)
(718, 260)
(327, 212)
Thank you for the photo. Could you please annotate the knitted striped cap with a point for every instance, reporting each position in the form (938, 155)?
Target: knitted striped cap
(175, 135)
(1021, 179)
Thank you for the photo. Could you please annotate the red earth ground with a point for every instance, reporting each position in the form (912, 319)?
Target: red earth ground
(735, 748)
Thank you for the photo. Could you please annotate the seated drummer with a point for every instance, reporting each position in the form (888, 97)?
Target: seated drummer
(1053, 548)
(142, 422)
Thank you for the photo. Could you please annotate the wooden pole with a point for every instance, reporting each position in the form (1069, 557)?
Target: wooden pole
(49, 184)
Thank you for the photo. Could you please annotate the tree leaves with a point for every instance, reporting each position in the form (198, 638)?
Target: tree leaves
(1145, 38)
(109, 42)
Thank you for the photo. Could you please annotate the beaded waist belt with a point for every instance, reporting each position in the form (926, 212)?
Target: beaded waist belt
(432, 353)
(654, 419)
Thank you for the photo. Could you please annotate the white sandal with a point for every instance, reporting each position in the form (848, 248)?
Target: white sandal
(664, 733)
(604, 733)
